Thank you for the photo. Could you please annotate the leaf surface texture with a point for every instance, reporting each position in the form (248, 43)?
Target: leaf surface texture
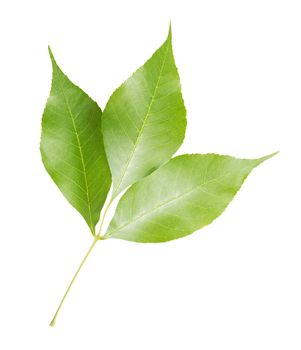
(144, 121)
(182, 196)
(72, 146)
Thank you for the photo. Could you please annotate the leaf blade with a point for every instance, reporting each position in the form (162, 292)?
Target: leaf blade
(72, 147)
(144, 114)
(184, 195)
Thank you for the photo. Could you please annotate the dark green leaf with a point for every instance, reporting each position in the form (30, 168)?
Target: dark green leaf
(144, 121)
(72, 146)
(182, 196)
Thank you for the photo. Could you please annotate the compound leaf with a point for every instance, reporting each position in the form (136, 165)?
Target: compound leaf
(182, 196)
(144, 121)
(72, 146)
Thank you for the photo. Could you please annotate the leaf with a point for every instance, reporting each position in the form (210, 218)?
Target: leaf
(182, 196)
(143, 125)
(144, 121)
(72, 146)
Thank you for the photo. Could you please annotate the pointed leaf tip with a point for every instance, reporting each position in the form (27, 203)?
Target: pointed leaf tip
(50, 53)
(53, 61)
(169, 36)
(262, 159)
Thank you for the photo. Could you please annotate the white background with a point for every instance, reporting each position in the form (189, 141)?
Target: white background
(233, 285)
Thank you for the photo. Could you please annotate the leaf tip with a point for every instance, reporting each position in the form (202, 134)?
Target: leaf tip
(50, 52)
(264, 158)
(53, 61)
(169, 36)
(268, 156)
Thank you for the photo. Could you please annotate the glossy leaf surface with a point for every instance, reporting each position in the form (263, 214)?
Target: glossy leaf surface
(182, 196)
(72, 146)
(144, 121)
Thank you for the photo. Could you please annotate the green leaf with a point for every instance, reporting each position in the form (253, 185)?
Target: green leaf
(182, 196)
(142, 126)
(144, 121)
(72, 146)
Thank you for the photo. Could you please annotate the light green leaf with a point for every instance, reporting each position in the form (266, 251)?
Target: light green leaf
(182, 196)
(72, 147)
(144, 121)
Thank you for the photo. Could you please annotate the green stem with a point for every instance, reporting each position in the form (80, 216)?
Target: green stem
(53, 321)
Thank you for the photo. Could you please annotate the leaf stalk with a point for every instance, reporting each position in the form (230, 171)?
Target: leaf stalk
(53, 321)
(97, 237)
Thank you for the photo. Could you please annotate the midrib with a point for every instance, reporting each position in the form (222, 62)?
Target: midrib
(143, 125)
(198, 187)
(80, 152)
(173, 199)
